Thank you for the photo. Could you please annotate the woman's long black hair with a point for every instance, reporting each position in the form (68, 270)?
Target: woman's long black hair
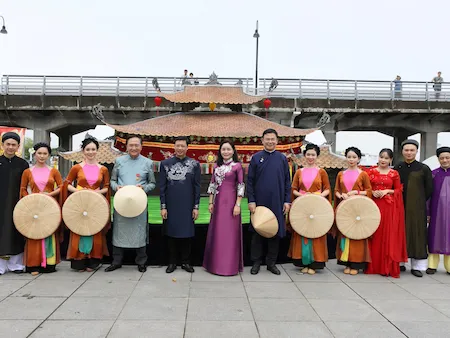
(219, 155)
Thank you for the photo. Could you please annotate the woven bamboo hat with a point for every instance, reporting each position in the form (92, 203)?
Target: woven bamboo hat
(86, 212)
(311, 216)
(265, 222)
(37, 216)
(130, 201)
(358, 217)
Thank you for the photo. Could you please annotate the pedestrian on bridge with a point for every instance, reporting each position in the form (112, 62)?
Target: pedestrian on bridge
(437, 86)
(398, 87)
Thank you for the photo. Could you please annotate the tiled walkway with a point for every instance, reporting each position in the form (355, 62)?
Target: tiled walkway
(127, 303)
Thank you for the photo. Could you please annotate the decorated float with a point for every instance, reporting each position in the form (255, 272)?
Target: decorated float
(207, 129)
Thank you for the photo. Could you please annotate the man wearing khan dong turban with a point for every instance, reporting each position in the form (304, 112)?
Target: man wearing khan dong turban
(11, 170)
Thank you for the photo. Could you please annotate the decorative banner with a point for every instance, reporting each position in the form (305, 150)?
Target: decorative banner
(20, 132)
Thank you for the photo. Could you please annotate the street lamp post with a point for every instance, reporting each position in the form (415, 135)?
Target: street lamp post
(256, 35)
(3, 30)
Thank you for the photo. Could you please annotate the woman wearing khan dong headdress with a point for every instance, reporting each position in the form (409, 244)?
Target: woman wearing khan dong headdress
(439, 213)
(310, 254)
(86, 252)
(353, 254)
(41, 256)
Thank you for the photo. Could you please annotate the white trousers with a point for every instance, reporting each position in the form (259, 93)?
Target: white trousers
(418, 264)
(15, 263)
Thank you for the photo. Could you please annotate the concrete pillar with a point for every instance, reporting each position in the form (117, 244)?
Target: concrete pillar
(65, 142)
(428, 144)
(399, 136)
(330, 136)
(41, 135)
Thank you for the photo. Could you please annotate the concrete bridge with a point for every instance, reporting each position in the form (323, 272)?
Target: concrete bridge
(62, 104)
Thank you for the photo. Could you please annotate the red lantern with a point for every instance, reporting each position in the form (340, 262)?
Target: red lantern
(158, 101)
(267, 103)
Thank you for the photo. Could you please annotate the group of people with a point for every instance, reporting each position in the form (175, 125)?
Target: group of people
(437, 85)
(188, 79)
(409, 196)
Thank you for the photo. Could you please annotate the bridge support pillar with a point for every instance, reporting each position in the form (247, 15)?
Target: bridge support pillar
(65, 142)
(428, 144)
(330, 136)
(399, 137)
(41, 135)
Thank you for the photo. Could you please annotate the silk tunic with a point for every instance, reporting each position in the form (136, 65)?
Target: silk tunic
(132, 232)
(269, 184)
(34, 253)
(99, 246)
(180, 195)
(11, 170)
(439, 211)
(417, 183)
(319, 245)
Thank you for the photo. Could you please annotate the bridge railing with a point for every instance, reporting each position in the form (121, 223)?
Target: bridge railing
(355, 90)
(283, 88)
(103, 86)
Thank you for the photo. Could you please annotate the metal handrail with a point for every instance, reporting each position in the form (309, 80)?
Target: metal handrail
(286, 88)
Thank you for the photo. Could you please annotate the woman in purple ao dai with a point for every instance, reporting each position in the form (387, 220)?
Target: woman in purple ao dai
(223, 251)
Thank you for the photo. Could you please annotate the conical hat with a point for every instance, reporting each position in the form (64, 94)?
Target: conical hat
(358, 217)
(86, 212)
(265, 222)
(311, 216)
(37, 216)
(130, 201)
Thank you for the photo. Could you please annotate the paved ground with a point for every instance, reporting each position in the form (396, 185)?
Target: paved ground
(126, 303)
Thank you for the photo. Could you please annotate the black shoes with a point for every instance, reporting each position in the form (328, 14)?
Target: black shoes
(431, 271)
(402, 268)
(417, 273)
(273, 269)
(187, 268)
(171, 268)
(255, 268)
(112, 267)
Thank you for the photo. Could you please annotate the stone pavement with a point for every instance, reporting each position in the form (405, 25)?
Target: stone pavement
(126, 303)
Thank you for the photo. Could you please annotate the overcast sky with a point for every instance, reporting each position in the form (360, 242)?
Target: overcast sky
(308, 39)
